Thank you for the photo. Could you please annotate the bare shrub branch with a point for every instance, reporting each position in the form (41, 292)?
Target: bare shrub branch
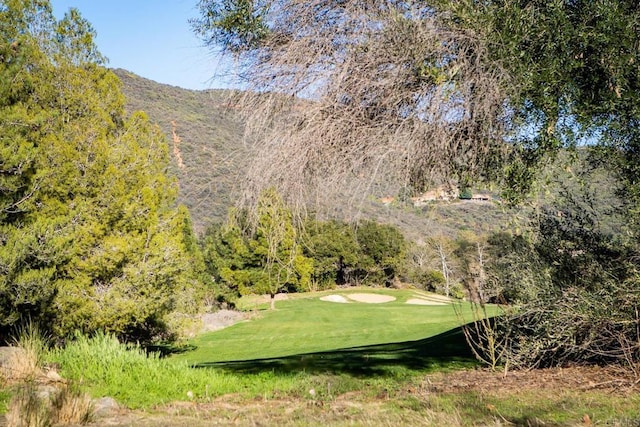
(368, 95)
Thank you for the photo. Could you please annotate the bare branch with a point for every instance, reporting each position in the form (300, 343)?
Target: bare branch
(351, 98)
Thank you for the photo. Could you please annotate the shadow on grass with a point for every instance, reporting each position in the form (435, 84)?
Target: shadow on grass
(434, 353)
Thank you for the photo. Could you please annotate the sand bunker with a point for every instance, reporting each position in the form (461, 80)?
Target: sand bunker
(371, 298)
(420, 301)
(334, 298)
(368, 298)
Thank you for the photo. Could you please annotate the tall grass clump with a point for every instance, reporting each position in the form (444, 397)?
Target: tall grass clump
(27, 408)
(139, 379)
(25, 363)
(34, 406)
(39, 398)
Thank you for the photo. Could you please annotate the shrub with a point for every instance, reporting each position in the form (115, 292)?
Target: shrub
(465, 194)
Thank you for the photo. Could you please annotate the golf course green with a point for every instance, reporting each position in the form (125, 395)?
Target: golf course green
(354, 330)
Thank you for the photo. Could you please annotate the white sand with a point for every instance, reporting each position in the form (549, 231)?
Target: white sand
(334, 298)
(431, 296)
(371, 298)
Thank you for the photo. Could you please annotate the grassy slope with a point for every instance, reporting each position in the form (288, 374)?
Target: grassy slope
(211, 143)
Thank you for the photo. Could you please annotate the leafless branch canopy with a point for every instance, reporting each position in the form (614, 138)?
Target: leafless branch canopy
(350, 95)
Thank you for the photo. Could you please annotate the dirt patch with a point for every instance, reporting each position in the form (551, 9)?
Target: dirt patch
(221, 319)
(335, 298)
(581, 378)
(371, 298)
(420, 301)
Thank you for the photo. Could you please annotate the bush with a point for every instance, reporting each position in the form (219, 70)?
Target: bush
(465, 194)
(430, 280)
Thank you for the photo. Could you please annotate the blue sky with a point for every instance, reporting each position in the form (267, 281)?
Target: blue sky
(151, 38)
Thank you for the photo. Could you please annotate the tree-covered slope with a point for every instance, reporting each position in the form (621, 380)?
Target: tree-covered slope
(209, 156)
(205, 137)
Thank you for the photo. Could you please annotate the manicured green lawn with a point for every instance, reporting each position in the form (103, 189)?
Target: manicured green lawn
(307, 325)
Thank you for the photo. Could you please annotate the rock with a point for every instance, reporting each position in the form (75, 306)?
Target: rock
(47, 392)
(105, 406)
(7, 353)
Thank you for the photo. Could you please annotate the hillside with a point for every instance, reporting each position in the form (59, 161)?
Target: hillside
(205, 142)
(208, 157)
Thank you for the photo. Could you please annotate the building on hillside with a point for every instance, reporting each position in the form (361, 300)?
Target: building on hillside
(438, 194)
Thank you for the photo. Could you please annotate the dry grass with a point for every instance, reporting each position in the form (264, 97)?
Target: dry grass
(347, 410)
(27, 409)
(609, 379)
(40, 396)
(34, 406)
(37, 403)
(23, 360)
(70, 406)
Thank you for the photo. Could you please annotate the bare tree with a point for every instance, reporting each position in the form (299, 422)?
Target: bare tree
(443, 248)
(347, 97)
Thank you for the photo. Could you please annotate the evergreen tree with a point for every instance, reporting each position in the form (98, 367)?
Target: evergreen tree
(89, 235)
(382, 249)
(335, 252)
(264, 261)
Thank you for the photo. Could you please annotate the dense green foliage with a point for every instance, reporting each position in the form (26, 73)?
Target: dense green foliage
(265, 260)
(274, 257)
(90, 237)
(333, 247)
(382, 250)
(238, 24)
(574, 72)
